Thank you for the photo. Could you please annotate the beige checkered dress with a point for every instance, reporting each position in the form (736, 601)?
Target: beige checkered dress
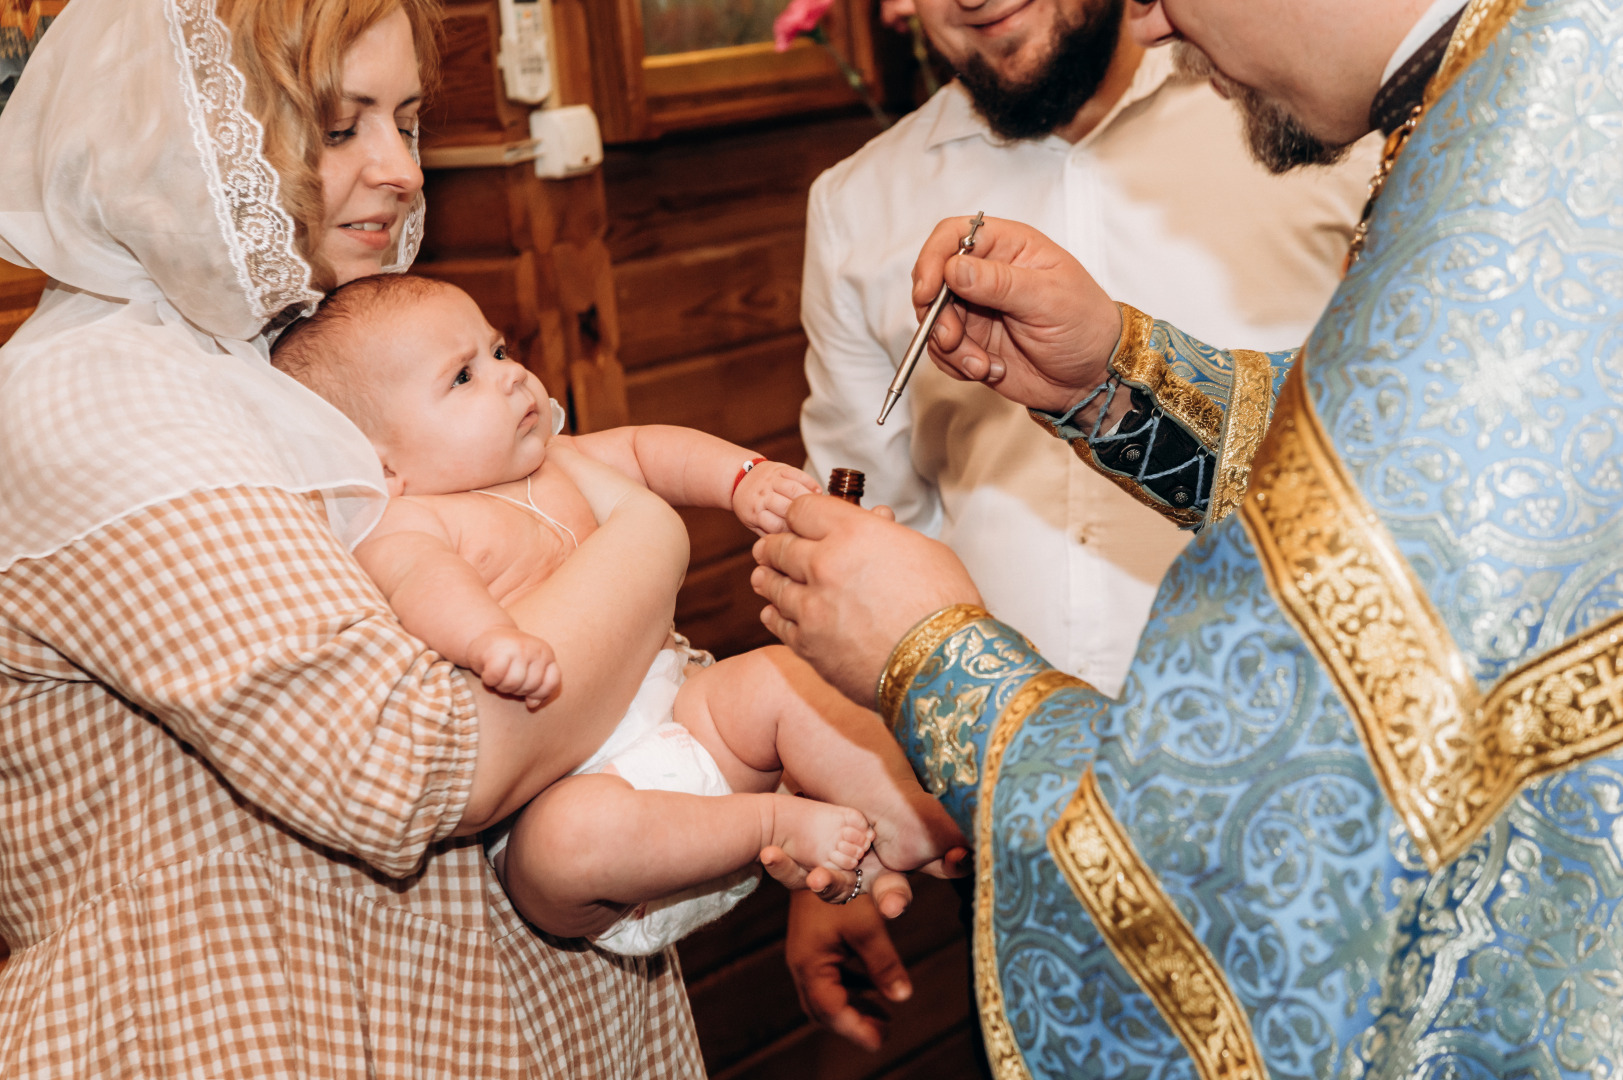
(227, 778)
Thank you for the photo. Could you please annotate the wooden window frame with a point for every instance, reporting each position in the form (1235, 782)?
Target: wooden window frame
(641, 97)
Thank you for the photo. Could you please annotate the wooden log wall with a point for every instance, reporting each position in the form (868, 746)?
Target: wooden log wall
(706, 234)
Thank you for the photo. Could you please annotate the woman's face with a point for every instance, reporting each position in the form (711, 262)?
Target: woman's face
(368, 179)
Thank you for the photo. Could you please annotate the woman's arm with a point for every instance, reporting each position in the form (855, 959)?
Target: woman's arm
(606, 611)
(237, 620)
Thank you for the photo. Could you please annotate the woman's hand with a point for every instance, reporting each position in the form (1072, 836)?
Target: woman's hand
(844, 585)
(762, 498)
(1028, 321)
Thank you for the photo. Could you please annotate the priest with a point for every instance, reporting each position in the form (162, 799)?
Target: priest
(1359, 809)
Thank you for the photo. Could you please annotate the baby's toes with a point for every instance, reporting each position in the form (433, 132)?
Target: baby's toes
(848, 850)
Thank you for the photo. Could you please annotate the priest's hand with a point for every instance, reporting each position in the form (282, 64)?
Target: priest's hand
(844, 585)
(1029, 321)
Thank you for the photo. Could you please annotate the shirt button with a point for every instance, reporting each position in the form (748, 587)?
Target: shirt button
(1181, 497)
(1132, 453)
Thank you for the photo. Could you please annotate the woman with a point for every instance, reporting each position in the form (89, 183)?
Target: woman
(236, 799)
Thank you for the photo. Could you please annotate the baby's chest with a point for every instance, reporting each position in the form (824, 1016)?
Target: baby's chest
(512, 549)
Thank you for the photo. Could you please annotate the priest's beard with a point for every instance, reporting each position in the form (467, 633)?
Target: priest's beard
(1051, 96)
(1276, 138)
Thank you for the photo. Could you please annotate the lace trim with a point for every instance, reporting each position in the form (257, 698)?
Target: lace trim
(411, 230)
(244, 188)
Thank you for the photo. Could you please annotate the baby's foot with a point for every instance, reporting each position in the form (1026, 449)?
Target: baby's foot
(912, 830)
(815, 833)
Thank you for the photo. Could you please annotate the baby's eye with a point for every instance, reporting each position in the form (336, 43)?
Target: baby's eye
(500, 353)
(462, 376)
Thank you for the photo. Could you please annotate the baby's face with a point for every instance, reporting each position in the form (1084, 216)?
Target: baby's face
(458, 412)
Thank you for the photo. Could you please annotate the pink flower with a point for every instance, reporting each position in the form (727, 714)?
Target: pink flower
(800, 17)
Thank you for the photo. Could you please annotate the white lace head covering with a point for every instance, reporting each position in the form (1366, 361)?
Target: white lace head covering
(132, 174)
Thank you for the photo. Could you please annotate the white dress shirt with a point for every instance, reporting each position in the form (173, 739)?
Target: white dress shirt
(1165, 208)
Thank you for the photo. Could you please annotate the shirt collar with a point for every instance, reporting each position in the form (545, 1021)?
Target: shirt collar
(1428, 24)
(958, 118)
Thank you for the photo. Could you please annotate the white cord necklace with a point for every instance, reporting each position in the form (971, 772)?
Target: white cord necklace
(529, 501)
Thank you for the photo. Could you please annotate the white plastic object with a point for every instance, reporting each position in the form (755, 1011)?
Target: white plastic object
(526, 50)
(568, 141)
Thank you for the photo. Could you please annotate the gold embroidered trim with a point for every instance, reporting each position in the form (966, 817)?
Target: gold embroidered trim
(1140, 365)
(914, 648)
(1478, 26)
(1448, 757)
(1251, 399)
(1151, 938)
(1001, 1050)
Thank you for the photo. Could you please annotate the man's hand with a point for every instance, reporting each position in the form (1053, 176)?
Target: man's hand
(509, 661)
(821, 938)
(762, 498)
(844, 585)
(1029, 321)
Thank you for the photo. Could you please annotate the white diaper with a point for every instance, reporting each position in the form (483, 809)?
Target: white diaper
(652, 752)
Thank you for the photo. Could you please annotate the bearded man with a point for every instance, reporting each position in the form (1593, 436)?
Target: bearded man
(1060, 118)
(1359, 810)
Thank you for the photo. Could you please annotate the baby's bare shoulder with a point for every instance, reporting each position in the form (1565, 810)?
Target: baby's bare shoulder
(414, 513)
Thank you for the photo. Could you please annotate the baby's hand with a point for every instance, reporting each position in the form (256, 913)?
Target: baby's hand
(762, 498)
(509, 661)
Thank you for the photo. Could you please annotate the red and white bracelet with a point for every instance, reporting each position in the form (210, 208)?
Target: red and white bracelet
(744, 471)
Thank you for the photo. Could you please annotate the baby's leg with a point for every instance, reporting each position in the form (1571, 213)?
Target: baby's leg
(590, 846)
(766, 711)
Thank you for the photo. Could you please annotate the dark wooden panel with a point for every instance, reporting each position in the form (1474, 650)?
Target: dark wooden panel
(957, 1054)
(749, 1005)
(742, 394)
(757, 923)
(709, 298)
(471, 212)
(719, 611)
(470, 105)
(941, 1009)
(696, 192)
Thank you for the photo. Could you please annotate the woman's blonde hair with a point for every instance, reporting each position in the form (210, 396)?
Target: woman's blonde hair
(291, 53)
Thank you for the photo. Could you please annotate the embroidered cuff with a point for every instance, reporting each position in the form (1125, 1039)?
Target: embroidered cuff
(1162, 451)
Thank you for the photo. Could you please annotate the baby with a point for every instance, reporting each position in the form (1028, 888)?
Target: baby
(662, 826)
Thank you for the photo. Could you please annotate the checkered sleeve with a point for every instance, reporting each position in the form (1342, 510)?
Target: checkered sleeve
(236, 619)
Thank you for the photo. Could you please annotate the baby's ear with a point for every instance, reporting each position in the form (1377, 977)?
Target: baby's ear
(391, 480)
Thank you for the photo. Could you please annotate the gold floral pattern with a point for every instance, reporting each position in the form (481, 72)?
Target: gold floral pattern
(1251, 400)
(945, 721)
(914, 648)
(1478, 26)
(1142, 366)
(1448, 757)
(1151, 938)
(1002, 1052)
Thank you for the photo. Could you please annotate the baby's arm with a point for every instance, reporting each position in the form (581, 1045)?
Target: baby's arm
(440, 598)
(690, 468)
